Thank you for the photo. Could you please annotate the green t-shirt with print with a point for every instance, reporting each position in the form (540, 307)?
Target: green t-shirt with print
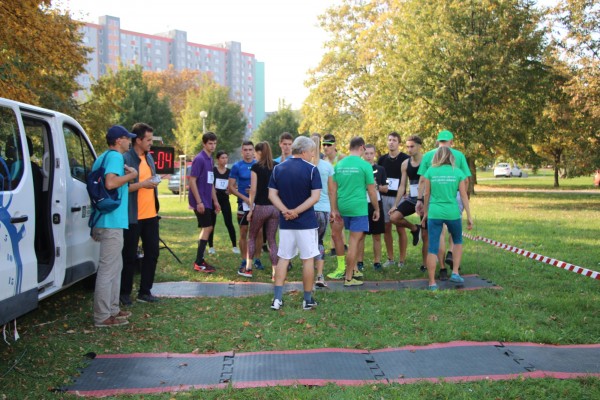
(459, 160)
(352, 175)
(444, 181)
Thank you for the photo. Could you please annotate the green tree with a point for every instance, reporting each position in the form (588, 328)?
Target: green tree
(419, 66)
(224, 117)
(283, 120)
(40, 54)
(124, 98)
(577, 34)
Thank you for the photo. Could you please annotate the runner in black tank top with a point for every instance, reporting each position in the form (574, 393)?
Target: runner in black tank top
(406, 201)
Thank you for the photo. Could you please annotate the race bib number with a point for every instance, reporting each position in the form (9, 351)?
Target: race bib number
(210, 177)
(393, 183)
(245, 207)
(414, 190)
(221, 184)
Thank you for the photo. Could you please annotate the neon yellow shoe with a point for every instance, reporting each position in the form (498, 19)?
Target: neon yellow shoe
(357, 274)
(337, 274)
(353, 282)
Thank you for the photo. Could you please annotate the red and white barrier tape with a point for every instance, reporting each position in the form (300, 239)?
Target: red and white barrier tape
(537, 257)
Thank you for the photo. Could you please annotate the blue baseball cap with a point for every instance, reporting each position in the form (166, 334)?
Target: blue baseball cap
(117, 131)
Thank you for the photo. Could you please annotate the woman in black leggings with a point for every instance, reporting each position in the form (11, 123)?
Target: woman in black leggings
(221, 181)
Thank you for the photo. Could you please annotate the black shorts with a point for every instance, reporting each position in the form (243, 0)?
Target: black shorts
(406, 208)
(376, 227)
(205, 220)
(242, 216)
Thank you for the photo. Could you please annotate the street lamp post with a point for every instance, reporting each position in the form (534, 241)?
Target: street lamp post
(203, 115)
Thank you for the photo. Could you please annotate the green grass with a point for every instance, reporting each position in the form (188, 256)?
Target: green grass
(537, 303)
(543, 179)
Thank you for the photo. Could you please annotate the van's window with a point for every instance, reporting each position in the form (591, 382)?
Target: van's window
(11, 151)
(80, 155)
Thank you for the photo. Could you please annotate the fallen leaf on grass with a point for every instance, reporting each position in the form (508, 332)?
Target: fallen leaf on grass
(196, 351)
(70, 331)
(300, 321)
(246, 323)
(433, 318)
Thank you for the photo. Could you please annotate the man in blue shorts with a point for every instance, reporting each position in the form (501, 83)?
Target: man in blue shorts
(294, 188)
(352, 178)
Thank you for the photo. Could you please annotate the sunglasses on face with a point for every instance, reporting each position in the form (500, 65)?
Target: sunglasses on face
(327, 144)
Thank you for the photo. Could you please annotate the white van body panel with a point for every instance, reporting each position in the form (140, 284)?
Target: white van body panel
(70, 254)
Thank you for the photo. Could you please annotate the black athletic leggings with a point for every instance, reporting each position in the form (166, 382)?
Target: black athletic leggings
(226, 211)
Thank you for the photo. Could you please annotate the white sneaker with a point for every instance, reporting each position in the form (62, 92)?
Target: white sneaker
(400, 264)
(235, 250)
(320, 281)
(212, 251)
(389, 263)
(277, 304)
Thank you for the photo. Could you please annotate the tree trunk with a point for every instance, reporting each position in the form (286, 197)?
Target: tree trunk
(556, 167)
(473, 179)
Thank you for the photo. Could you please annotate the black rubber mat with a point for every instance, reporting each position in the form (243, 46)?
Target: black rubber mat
(455, 361)
(243, 289)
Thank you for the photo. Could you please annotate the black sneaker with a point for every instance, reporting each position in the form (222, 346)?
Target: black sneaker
(424, 269)
(147, 298)
(360, 265)
(125, 300)
(309, 305)
(443, 275)
(416, 235)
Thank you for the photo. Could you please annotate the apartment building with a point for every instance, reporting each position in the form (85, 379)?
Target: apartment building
(226, 63)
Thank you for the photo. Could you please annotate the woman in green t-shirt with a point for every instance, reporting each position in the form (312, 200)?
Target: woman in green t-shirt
(442, 181)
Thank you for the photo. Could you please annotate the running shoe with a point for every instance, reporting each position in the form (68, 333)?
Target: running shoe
(433, 288)
(443, 276)
(258, 264)
(357, 275)
(456, 278)
(277, 304)
(309, 305)
(337, 274)
(245, 272)
(320, 281)
(204, 267)
(389, 263)
(400, 264)
(377, 266)
(235, 250)
(147, 298)
(353, 282)
(360, 265)
(416, 235)
(212, 251)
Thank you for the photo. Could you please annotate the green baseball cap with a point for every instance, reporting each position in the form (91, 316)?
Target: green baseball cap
(445, 136)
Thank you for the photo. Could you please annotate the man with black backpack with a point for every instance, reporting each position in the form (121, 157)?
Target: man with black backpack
(108, 229)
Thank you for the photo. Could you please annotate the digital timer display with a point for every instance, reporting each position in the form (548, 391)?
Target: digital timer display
(164, 159)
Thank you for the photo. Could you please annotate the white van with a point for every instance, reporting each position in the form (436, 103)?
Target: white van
(45, 242)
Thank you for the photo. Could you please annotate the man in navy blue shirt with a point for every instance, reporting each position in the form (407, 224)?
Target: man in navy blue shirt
(294, 188)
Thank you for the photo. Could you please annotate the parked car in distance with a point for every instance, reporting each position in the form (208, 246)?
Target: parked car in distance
(175, 179)
(507, 170)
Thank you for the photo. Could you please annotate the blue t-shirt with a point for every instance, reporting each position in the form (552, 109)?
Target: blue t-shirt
(241, 173)
(294, 180)
(202, 170)
(325, 171)
(119, 218)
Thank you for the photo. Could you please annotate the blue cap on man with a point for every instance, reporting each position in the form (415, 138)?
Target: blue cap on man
(117, 131)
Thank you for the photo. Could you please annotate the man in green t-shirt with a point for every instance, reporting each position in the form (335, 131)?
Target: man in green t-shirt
(445, 139)
(353, 176)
